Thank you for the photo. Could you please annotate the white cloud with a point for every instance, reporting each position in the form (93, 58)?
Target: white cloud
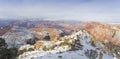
(90, 11)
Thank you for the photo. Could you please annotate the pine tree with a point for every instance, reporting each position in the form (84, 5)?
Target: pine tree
(7, 53)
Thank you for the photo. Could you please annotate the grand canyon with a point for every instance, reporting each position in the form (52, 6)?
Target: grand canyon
(41, 39)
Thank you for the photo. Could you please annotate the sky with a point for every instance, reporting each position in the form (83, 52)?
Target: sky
(83, 10)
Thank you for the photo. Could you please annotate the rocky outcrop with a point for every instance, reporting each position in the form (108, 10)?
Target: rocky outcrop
(79, 41)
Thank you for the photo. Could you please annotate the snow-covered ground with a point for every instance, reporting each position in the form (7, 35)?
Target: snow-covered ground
(65, 55)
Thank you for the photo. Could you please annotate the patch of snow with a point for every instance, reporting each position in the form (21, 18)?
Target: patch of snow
(26, 47)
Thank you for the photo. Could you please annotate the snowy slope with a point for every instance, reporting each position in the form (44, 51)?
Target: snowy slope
(83, 51)
(17, 37)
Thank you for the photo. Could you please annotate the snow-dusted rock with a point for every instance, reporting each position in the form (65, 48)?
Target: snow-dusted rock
(64, 49)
